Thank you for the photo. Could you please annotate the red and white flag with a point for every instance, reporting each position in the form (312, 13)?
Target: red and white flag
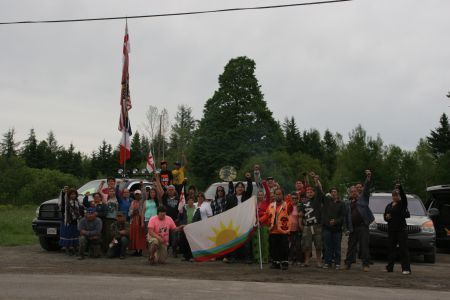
(182, 201)
(150, 163)
(125, 103)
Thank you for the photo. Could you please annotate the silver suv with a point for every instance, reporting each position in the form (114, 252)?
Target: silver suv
(421, 233)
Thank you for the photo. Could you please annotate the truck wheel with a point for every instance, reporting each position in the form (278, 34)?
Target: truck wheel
(49, 244)
(430, 258)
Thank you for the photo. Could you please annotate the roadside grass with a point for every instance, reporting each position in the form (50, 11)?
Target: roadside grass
(15, 225)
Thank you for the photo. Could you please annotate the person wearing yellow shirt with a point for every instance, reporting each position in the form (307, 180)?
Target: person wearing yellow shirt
(178, 174)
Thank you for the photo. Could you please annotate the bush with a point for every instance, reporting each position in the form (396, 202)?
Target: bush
(21, 185)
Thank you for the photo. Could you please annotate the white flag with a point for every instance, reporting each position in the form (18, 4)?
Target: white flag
(150, 163)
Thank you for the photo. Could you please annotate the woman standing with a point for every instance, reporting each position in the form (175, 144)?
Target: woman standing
(70, 209)
(262, 204)
(204, 206)
(111, 214)
(150, 206)
(187, 217)
(137, 229)
(395, 215)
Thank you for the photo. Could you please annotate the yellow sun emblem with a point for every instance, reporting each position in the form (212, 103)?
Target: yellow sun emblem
(224, 234)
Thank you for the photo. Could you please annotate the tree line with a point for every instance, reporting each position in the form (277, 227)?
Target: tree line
(236, 129)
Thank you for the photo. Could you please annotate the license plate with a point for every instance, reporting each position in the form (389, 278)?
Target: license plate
(52, 231)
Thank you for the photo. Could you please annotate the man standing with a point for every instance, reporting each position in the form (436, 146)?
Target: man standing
(90, 228)
(159, 228)
(358, 216)
(178, 175)
(332, 219)
(120, 230)
(277, 215)
(310, 222)
(165, 175)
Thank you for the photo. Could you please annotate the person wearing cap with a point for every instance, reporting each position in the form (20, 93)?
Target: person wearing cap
(165, 176)
(90, 228)
(170, 201)
(310, 222)
(120, 230)
(179, 180)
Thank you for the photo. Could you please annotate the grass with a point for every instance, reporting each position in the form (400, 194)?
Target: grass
(15, 225)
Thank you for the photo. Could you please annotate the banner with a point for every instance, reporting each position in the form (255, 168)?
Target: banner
(223, 233)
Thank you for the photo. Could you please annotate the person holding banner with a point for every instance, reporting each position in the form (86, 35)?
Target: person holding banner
(159, 229)
(263, 201)
(278, 216)
(236, 195)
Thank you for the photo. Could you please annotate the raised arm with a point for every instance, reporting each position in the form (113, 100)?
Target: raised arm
(158, 187)
(403, 197)
(249, 190)
(267, 191)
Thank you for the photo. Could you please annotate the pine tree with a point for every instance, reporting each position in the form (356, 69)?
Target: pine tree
(236, 123)
(182, 131)
(29, 150)
(292, 135)
(439, 138)
(8, 146)
(330, 147)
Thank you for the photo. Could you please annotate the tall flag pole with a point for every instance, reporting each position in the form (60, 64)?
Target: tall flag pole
(125, 104)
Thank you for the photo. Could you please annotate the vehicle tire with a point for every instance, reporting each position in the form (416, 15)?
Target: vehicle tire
(49, 244)
(430, 258)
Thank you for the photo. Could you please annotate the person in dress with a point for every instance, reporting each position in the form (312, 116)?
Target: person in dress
(137, 229)
(71, 213)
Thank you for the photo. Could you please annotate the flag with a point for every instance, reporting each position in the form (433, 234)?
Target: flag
(223, 233)
(182, 201)
(150, 162)
(125, 103)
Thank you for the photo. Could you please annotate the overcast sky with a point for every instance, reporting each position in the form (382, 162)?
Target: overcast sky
(384, 64)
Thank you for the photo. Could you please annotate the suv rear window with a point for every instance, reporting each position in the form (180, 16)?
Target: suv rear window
(378, 204)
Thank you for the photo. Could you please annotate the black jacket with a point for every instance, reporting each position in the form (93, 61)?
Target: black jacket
(399, 213)
(231, 199)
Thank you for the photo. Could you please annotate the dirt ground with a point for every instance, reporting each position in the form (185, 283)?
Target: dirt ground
(34, 260)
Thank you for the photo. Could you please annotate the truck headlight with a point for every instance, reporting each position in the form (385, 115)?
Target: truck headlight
(373, 226)
(37, 212)
(428, 227)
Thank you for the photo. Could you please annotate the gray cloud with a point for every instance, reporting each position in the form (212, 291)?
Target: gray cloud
(382, 64)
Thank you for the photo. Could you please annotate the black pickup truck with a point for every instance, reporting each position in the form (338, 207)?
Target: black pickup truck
(48, 215)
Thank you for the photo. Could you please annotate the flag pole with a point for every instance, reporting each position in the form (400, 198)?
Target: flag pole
(257, 176)
(259, 235)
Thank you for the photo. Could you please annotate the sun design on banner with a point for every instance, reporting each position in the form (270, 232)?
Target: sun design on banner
(224, 234)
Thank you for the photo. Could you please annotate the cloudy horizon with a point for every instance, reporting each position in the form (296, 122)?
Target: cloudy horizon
(382, 64)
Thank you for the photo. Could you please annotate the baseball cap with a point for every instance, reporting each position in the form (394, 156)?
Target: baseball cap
(90, 210)
(137, 192)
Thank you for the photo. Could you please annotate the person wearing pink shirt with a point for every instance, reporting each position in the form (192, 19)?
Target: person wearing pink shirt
(159, 228)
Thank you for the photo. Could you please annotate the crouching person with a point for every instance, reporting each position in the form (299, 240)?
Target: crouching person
(90, 228)
(159, 228)
(120, 230)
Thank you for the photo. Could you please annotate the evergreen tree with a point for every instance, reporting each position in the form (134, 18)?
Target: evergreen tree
(29, 150)
(311, 144)
(236, 123)
(330, 147)
(8, 146)
(182, 131)
(292, 135)
(439, 138)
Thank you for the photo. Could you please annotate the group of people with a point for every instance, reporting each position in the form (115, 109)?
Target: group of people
(290, 224)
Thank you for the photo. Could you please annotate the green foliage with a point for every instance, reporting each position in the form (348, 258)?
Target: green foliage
(236, 123)
(439, 139)
(8, 145)
(20, 184)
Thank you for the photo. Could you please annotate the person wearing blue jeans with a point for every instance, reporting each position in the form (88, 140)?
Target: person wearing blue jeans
(333, 212)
